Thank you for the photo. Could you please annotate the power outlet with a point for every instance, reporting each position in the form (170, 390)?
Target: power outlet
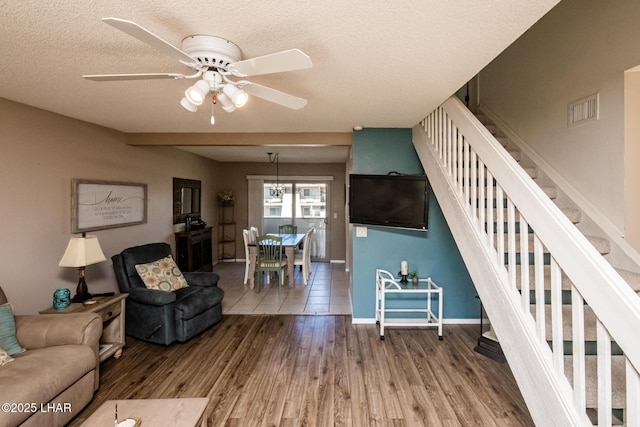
(361, 231)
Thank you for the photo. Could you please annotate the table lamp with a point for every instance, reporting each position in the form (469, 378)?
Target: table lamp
(82, 251)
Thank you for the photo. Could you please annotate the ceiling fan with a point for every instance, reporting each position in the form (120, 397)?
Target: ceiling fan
(215, 62)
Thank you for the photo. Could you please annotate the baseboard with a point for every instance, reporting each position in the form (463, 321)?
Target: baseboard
(372, 321)
(362, 321)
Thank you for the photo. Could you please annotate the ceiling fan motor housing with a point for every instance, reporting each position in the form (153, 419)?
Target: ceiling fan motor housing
(212, 52)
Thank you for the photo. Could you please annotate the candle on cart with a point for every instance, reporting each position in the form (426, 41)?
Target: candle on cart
(404, 268)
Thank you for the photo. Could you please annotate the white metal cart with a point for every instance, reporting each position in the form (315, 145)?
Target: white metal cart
(386, 283)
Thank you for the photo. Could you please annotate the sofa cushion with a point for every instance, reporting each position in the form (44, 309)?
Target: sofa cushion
(8, 339)
(40, 375)
(162, 274)
(195, 300)
(4, 357)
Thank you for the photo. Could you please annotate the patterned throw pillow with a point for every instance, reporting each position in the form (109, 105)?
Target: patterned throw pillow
(162, 274)
(8, 339)
(4, 357)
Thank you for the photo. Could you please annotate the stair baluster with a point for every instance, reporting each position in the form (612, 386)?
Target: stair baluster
(503, 222)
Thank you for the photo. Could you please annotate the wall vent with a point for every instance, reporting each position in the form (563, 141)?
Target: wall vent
(584, 110)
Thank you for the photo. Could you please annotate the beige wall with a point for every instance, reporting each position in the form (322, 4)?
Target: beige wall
(40, 153)
(581, 47)
(632, 157)
(235, 179)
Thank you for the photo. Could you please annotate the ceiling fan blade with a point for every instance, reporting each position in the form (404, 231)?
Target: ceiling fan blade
(274, 96)
(142, 76)
(146, 36)
(287, 60)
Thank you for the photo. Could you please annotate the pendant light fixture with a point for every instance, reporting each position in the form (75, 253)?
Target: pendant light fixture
(276, 190)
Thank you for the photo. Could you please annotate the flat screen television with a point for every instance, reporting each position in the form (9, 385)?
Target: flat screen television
(390, 200)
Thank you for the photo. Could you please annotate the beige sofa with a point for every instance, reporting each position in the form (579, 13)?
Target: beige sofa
(50, 383)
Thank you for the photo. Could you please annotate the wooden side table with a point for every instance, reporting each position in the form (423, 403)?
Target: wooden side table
(111, 309)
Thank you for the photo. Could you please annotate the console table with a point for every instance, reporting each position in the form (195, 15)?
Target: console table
(194, 250)
(424, 290)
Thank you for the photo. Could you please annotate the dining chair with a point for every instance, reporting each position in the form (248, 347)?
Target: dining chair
(246, 238)
(270, 259)
(288, 229)
(254, 233)
(303, 257)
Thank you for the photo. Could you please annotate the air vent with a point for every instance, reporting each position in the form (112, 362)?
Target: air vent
(584, 110)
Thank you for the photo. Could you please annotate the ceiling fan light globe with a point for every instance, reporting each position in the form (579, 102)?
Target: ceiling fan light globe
(226, 103)
(241, 98)
(237, 96)
(188, 105)
(197, 92)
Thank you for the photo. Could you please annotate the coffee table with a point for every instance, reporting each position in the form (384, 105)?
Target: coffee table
(189, 412)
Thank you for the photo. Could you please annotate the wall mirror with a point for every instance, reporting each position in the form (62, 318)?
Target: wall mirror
(186, 199)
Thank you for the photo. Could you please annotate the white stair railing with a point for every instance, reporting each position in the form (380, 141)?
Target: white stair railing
(521, 252)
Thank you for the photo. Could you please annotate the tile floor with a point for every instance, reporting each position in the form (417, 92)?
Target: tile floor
(326, 293)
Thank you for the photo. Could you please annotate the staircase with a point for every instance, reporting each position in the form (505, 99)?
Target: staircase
(603, 245)
(567, 321)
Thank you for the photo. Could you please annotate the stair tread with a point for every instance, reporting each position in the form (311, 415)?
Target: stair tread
(517, 155)
(531, 171)
(574, 215)
(632, 278)
(551, 192)
(503, 140)
(617, 371)
(602, 245)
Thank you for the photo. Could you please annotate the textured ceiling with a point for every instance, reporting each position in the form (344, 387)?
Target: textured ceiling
(376, 64)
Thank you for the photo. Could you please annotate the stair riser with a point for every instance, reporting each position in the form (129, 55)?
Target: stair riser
(532, 172)
(617, 374)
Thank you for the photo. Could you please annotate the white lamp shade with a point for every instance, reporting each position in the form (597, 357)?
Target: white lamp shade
(237, 96)
(188, 105)
(226, 103)
(82, 251)
(197, 92)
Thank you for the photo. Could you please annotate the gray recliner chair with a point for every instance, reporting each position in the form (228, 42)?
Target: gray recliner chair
(165, 317)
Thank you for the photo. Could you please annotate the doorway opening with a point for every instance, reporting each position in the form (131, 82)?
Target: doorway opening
(303, 204)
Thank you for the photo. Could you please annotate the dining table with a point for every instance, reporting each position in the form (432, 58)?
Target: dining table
(289, 243)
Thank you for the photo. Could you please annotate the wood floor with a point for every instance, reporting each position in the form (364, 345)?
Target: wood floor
(321, 371)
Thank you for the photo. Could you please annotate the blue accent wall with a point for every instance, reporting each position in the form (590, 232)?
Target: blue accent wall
(432, 253)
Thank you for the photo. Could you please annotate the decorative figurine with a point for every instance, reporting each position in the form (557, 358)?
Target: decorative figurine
(61, 298)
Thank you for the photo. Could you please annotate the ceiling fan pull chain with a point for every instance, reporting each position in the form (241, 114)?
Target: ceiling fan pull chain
(214, 100)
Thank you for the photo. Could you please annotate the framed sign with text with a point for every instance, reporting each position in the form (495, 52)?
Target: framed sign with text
(97, 205)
